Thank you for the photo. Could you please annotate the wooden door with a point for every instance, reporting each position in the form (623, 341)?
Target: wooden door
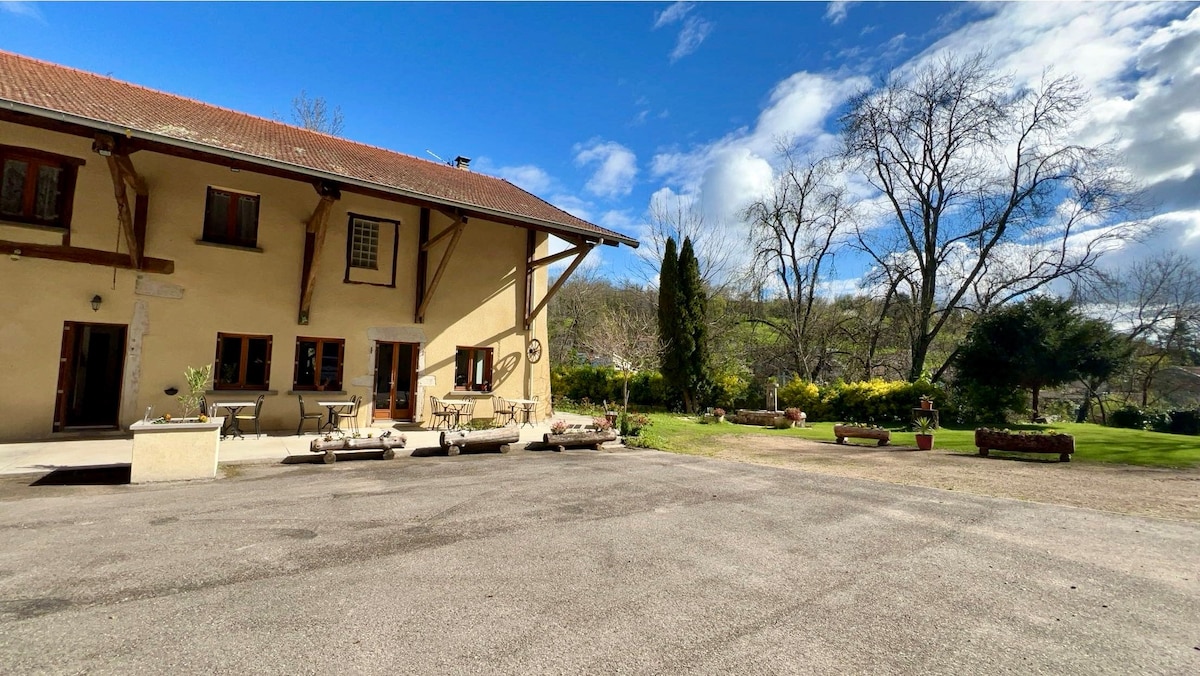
(91, 368)
(395, 381)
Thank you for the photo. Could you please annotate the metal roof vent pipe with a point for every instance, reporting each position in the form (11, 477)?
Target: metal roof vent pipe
(463, 163)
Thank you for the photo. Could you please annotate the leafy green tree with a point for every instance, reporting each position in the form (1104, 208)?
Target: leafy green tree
(1037, 343)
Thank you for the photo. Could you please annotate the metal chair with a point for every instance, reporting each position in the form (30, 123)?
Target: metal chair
(466, 413)
(503, 412)
(351, 416)
(256, 416)
(308, 416)
(439, 413)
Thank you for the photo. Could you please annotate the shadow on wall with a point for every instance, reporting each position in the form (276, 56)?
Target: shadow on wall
(504, 367)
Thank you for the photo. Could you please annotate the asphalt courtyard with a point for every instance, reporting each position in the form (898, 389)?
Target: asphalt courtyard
(582, 562)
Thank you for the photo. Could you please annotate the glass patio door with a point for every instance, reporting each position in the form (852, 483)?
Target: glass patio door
(395, 381)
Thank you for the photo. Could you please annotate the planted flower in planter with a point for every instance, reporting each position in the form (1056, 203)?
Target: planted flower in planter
(558, 427)
(719, 414)
(602, 423)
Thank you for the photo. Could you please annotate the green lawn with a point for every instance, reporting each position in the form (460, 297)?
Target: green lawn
(1093, 443)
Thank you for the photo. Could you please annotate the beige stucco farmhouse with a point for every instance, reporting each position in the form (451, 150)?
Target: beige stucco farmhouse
(142, 233)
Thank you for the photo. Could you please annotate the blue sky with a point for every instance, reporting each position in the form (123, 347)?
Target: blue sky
(602, 107)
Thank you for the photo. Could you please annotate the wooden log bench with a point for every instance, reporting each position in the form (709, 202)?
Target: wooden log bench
(384, 443)
(456, 441)
(842, 432)
(987, 440)
(582, 438)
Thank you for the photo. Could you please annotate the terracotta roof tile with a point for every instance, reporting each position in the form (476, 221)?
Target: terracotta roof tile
(75, 92)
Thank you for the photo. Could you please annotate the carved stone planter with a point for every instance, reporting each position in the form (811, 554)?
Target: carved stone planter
(842, 432)
(175, 451)
(999, 440)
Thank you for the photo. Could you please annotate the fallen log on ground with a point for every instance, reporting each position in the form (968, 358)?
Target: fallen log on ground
(456, 441)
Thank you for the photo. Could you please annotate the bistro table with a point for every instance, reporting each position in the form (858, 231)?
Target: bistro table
(232, 427)
(528, 408)
(457, 406)
(332, 424)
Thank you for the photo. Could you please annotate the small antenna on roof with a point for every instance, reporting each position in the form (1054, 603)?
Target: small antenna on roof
(436, 156)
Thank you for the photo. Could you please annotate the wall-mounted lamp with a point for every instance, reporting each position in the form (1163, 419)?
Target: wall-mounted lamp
(15, 255)
(96, 301)
(171, 391)
(103, 152)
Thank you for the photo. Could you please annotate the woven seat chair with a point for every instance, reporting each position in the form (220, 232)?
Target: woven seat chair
(350, 416)
(256, 416)
(308, 416)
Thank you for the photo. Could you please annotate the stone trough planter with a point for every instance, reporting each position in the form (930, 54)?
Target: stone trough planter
(750, 417)
(175, 451)
(1000, 440)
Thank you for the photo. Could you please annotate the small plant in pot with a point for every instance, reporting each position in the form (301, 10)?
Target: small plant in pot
(796, 416)
(719, 414)
(924, 427)
(558, 427)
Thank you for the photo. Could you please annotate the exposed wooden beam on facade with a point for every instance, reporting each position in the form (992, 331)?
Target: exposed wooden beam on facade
(455, 231)
(580, 250)
(74, 254)
(314, 243)
(124, 215)
(133, 224)
(422, 264)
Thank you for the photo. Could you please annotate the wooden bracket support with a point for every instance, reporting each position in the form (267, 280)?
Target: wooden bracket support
(454, 232)
(133, 225)
(314, 242)
(580, 250)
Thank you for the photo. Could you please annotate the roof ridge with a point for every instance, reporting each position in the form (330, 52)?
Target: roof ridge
(226, 109)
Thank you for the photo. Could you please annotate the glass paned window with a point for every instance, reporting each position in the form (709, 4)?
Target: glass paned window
(12, 190)
(231, 218)
(243, 362)
(49, 180)
(473, 369)
(364, 243)
(318, 364)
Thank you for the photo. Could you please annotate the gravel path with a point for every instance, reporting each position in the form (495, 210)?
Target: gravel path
(1143, 491)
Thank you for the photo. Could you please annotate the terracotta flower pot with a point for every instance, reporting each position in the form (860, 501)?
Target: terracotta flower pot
(926, 405)
(925, 441)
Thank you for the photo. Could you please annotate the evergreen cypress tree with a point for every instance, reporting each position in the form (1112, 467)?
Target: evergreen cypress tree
(692, 305)
(668, 320)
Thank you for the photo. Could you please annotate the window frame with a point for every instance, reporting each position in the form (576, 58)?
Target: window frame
(245, 353)
(230, 237)
(374, 253)
(68, 176)
(315, 387)
(488, 365)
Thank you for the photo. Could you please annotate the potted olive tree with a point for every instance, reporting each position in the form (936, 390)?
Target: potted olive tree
(176, 449)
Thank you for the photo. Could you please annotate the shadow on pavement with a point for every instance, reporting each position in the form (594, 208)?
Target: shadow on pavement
(94, 475)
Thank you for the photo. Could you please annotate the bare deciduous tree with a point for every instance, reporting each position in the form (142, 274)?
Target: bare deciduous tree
(315, 114)
(628, 335)
(1155, 304)
(795, 227)
(990, 198)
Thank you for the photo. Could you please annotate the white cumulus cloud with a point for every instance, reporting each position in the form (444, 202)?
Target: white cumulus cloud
(616, 167)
